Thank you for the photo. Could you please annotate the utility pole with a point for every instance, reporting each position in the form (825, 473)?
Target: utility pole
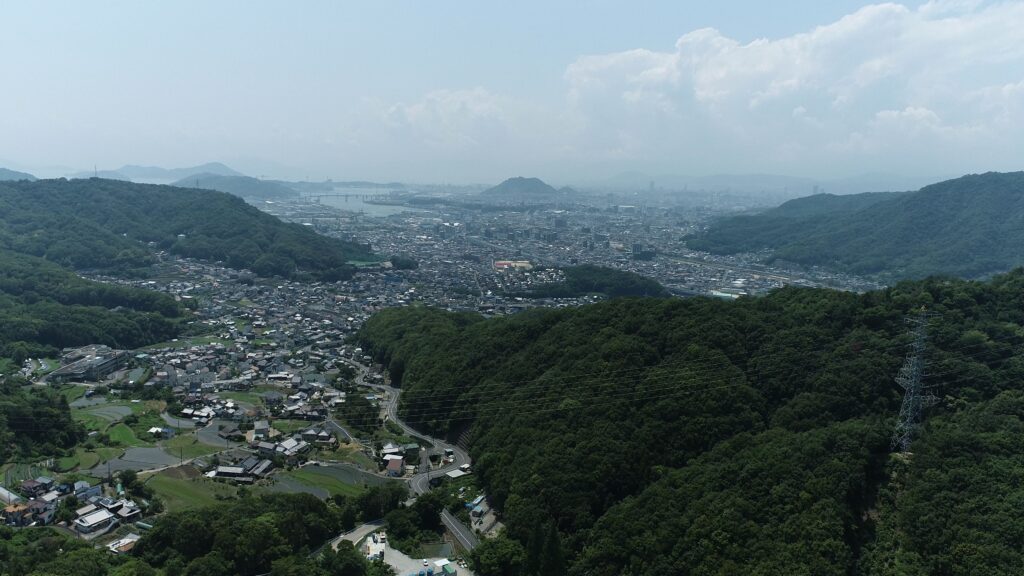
(909, 378)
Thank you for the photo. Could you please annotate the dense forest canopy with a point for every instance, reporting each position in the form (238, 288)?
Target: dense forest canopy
(109, 225)
(44, 308)
(700, 436)
(274, 534)
(35, 421)
(969, 227)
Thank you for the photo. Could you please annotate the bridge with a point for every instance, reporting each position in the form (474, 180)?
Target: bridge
(366, 197)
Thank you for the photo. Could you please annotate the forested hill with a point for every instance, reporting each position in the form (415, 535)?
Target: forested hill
(696, 436)
(44, 308)
(116, 225)
(969, 227)
(6, 174)
(590, 279)
(244, 186)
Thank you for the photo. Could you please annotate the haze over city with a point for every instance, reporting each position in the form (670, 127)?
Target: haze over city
(574, 92)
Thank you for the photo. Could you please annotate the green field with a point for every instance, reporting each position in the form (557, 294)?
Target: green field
(288, 426)
(246, 397)
(14, 472)
(182, 493)
(187, 446)
(321, 478)
(121, 434)
(187, 343)
(348, 453)
(82, 459)
(73, 392)
(90, 420)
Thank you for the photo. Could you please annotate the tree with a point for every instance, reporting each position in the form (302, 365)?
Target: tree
(499, 556)
(553, 558)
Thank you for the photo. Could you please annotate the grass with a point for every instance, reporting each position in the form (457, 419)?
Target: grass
(14, 472)
(349, 453)
(82, 459)
(187, 446)
(73, 392)
(187, 342)
(121, 434)
(246, 397)
(90, 420)
(288, 426)
(182, 490)
(317, 478)
(143, 421)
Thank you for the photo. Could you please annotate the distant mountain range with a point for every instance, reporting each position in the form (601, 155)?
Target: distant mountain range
(6, 174)
(244, 186)
(969, 227)
(158, 175)
(779, 185)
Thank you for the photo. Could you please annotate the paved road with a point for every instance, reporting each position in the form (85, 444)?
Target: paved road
(358, 534)
(420, 483)
(339, 428)
(178, 422)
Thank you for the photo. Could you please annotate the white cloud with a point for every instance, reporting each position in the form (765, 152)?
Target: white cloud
(932, 91)
(884, 88)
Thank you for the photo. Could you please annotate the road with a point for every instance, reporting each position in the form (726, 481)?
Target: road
(339, 428)
(420, 483)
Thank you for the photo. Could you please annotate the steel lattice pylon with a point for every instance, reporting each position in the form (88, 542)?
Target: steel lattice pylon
(910, 376)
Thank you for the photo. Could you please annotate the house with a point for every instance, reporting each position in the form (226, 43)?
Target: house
(95, 521)
(124, 545)
(395, 467)
(37, 487)
(262, 469)
(261, 429)
(319, 437)
(391, 448)
(230, 471)
(15, 514)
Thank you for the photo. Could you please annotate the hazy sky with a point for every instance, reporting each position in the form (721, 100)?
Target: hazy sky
(478, 91)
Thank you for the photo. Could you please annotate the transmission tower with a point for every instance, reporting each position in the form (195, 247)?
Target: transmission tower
(911, 373)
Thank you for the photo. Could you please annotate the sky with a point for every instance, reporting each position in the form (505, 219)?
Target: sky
(461, 92)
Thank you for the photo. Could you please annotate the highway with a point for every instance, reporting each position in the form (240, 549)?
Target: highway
(420, 483)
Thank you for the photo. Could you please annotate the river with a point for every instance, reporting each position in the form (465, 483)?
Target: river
(357, 204)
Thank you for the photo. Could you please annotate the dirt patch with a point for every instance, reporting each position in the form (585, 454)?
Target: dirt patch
(182, 472)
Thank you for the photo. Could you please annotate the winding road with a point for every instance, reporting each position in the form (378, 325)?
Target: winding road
(420, 483)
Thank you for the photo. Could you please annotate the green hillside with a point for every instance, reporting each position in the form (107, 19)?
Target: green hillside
(590, 279)
(699, 436)
(244, 186)
(6, 174)
(44, 308)
(115, 225)
(970, 227)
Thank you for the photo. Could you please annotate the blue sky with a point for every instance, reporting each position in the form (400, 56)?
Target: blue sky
(477, 91)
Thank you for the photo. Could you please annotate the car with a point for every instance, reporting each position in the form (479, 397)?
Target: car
(425, 563)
